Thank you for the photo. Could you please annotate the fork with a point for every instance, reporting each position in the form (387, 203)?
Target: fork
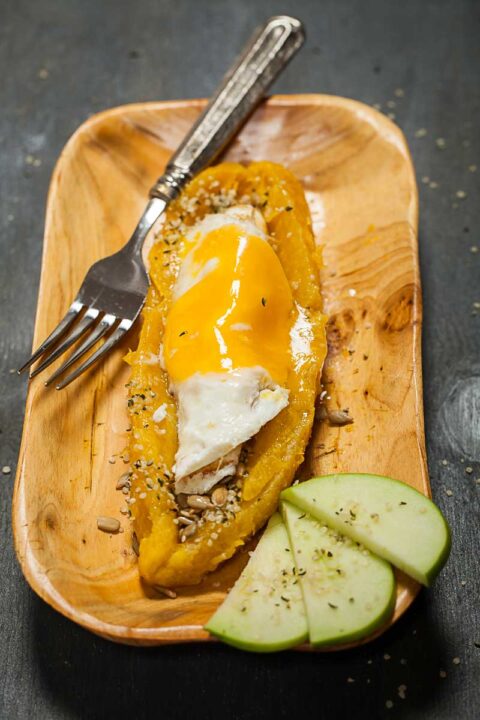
(113, 292)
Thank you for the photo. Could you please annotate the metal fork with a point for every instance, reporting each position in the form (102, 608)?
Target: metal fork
(113, 292)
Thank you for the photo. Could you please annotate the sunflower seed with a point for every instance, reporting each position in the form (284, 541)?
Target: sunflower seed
(219, 496)
(123, 481)
(339, 418)
(135, 544)
(108, 524)
(182, 500)
(165, 591)
(182, 520)
(199, 502)
(188, 532)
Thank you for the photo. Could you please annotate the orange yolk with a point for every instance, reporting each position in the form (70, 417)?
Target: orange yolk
(237, 315)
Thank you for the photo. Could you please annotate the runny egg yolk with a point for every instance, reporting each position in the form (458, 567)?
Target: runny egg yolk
(237, 311)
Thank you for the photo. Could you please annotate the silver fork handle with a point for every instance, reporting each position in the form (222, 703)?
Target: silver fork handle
(240, 91)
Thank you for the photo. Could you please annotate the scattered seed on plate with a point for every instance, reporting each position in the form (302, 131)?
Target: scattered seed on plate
(399, 92)
(421, 132)
(387, 656)
(425, 179)
(449, 493)
(391, 104)
(442, 674)
(456, 661)
(389, 704)
(469, 470)
(441, 143)
(339, 418)
(461, 194)
(402, 689)
(122, 481)
(6, 469)
(350, 680)
(135, 544)
(474, 249)
(472, 168)
(444, 462)
(165, 591)
(433, 185)
(108, 524)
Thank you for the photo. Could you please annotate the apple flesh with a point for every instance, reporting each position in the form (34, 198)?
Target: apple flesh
(348, 592)
(264, 611)
(388, 517)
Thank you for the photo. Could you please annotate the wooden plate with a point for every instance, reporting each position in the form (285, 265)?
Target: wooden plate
(359, 180)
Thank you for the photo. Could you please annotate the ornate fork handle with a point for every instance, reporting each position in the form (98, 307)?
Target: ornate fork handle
(240, 91)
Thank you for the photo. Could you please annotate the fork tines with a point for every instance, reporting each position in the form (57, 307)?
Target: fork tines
(78, 320)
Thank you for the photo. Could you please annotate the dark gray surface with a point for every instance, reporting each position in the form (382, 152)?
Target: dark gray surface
(100, 54)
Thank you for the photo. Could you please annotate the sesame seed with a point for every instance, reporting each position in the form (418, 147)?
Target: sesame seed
(469, 470)
(433, 185)
(425, 179)
(43, 73)
(474, 249)
(391, 103)
(461, 194)
(401, 691)
(350, 680)
(389, 704)
(444, 462)
(420, 133)
(387, 656)
(441, 143)
(449, 493)
(456, 661)
(6, 469)
(399, 92)
(472, 168)
(112, 460)
(442, 674)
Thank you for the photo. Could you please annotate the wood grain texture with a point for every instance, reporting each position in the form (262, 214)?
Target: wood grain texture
(358, 177)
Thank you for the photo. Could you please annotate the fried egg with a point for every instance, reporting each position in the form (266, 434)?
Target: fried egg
(226, 344)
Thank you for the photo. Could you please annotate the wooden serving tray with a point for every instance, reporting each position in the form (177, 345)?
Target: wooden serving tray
(359, 180)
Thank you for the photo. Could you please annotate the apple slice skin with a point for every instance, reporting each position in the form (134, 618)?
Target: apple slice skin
(389, 517)
(348, 591)
(269, 622)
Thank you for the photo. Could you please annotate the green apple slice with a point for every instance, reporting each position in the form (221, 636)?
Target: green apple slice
(264, 611)
(348, 592)
(387, 516)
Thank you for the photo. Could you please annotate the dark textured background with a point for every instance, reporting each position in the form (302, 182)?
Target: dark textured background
(62, 60)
